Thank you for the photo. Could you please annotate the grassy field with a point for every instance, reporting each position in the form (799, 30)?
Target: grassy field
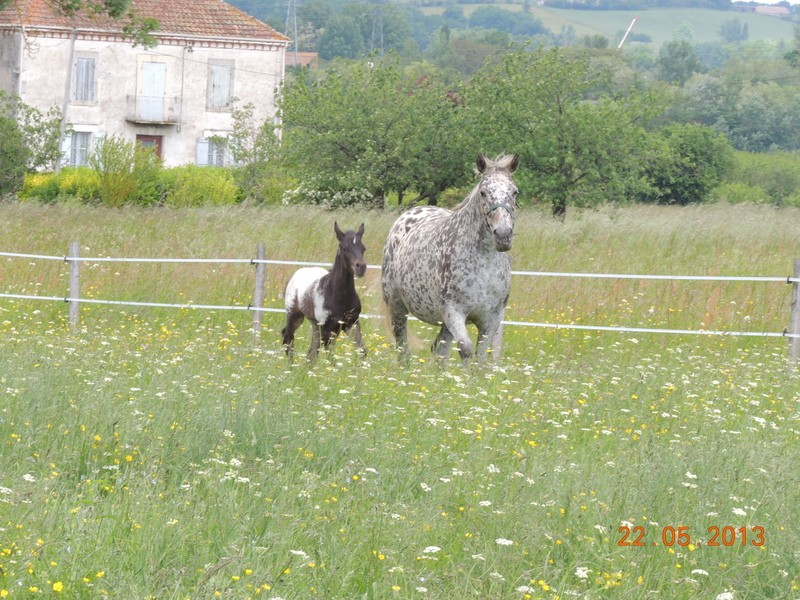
(660, 24)
(167, 453)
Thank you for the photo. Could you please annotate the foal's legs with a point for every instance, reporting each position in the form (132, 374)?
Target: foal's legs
(315, 340)
(293, 321)
(355, 333)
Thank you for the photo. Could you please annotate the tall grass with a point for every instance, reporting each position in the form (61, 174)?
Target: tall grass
(168, 454)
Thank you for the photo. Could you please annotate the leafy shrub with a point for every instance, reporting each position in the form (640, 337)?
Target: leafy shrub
(691, 162)
(739, 193)
(777, 173)
(40, 186)
(13, 156)
(191, 185)
(80, 182)
(331, 198)
(127, 173)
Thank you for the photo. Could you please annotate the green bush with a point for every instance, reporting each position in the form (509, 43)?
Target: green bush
(191, 185)
(13, 156)
(79, 182)
(40, 186)
(127, 173)
(691, 162)
(739, 193)
(777, 173)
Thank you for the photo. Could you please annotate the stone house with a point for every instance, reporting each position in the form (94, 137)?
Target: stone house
(173, 96)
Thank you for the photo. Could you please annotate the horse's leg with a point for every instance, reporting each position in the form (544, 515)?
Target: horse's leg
(355, 333)
(399, 316)
(487, 336)
(293, 321)
(315, 340)
(441, 345)
(329, 335)
(456, 322)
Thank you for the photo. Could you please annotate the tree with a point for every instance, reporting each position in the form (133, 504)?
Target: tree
(255, 150)
(13, 156)
(361, 28)
(574, 150)
(368, 126)
(732, 31)
(691, 161)
(793, 56)
(677, 62)
(40, 132)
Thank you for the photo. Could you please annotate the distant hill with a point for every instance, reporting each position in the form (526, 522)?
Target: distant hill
(660, 24)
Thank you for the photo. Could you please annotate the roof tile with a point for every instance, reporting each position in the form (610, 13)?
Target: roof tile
(201, 18)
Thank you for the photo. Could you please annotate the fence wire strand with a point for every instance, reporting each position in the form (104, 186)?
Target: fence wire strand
(254, 261)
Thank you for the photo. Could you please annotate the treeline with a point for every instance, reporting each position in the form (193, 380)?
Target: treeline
(377, 132)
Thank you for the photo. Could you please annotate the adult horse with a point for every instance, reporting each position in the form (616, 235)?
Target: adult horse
(328, 299)
(451, 268)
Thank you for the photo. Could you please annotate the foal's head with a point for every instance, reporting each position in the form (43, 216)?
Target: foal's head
(351, 250)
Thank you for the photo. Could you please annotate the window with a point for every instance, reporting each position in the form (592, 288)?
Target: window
(213, 153)
(76, 149)
(84, 79)
(220, 84)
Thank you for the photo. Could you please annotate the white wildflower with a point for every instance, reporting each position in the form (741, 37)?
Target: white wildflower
(504, 542)
(431, 550)
(582, 572)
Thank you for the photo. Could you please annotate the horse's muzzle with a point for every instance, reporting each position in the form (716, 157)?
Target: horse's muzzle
(359, 269)
(503, 236)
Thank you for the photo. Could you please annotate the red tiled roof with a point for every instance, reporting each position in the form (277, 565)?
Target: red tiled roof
(199, 18)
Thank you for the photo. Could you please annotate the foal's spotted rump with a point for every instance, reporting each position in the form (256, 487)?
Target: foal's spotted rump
(451, 268)
(327, 298)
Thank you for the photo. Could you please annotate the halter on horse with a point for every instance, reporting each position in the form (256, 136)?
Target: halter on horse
(450, 268)
(328, 299)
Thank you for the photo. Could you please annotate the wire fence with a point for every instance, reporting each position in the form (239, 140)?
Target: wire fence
(260, 262)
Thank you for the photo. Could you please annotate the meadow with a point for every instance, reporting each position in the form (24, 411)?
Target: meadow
(172, 453)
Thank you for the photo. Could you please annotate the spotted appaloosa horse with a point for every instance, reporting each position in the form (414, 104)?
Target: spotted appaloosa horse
(451, 268)
(328, 299)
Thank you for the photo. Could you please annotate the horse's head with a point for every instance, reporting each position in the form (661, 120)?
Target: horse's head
(498, 197)
(351, 249)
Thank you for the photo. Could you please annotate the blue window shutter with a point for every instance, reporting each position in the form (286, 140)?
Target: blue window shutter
(201, 153)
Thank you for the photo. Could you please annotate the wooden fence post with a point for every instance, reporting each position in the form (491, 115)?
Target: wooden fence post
(794, 342)
(74, 285)
(258, 293)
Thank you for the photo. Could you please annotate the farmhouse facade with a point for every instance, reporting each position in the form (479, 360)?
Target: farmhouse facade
(176, 96)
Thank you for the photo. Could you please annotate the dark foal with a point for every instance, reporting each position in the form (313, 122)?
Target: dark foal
(327, 298)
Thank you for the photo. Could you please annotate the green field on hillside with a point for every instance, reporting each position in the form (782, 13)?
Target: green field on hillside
(170, 453)
(660, 24)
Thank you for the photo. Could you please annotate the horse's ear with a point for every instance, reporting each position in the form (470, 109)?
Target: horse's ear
(360, 231)
(481, 163)
(339, 233)
(514, 163)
